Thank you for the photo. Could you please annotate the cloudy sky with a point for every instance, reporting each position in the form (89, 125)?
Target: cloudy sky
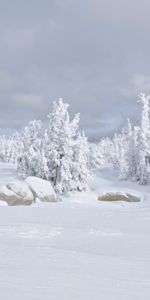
(95, 54)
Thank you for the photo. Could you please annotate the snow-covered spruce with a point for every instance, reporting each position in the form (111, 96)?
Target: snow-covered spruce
(29, 160)
(66, 150)
(58, 153)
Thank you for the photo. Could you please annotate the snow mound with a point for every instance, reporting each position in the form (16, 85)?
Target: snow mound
(41, 189)
(111, 196)
(16, 193)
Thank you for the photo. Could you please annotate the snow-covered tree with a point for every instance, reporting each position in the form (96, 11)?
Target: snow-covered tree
(132, 146)
(61, 154)
(144, 138)
(115, 151)
(79, 169)
(31, 140)
(9, 148)
(94, 156)
(61, 140)
(42, 166)
(123, 161)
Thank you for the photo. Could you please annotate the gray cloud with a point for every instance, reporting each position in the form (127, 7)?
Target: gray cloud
(92, 53)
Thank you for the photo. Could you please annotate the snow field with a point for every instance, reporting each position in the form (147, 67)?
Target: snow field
(79, 248)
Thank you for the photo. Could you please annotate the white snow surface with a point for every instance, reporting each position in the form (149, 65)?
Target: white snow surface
(77, 249)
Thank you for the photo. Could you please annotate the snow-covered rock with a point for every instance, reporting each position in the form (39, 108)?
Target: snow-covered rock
(16, 193)
(41, 189)
(112, 196)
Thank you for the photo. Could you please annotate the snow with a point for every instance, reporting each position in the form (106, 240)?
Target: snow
(79, 248)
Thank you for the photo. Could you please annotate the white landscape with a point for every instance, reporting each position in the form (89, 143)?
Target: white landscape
(74, 150)
(75, 215)
(79, 248)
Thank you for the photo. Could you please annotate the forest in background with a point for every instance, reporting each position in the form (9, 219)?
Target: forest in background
(60, 153)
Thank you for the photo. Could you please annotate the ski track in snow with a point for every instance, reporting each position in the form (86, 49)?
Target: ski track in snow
(77, 249)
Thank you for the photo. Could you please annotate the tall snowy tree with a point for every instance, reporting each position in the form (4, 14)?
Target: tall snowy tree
(144, 136)
(60, 140)
(129, 146)
(123, 162)
(115, 151)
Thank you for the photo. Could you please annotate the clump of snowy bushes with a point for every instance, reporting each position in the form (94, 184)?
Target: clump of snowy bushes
(61, 154)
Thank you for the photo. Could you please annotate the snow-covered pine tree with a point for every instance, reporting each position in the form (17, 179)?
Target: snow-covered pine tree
(123, 162)
(99, 153)
(79, 169)
(104, 150)
(9, 148)
(115, 155)
(17, 146)
(58, 150)
(2, 149)
(130, 149)
(40, 161)
(60, 146)
(135, 141)
(93, 156)
(31, 141)
(132, 136)
(143, 143)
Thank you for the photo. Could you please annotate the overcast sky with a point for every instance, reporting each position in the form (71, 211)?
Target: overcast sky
(95, 54)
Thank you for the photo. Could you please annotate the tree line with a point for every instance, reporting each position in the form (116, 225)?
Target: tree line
(60, 152)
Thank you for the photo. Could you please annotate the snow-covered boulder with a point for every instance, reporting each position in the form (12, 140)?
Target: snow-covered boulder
(41, 189)
(16, 193)
(117, 196)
